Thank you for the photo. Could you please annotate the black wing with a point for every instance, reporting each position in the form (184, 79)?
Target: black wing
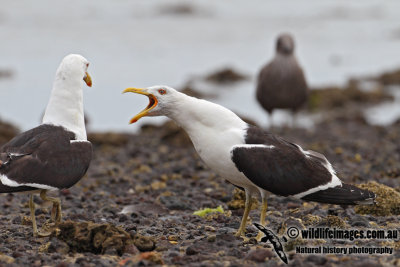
(279, 167)
(45, 156)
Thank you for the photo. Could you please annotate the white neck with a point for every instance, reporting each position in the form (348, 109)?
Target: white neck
(65, 107)
(194, 115)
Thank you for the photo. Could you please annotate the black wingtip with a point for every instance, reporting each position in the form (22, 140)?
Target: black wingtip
(368, 201)
(345, 194)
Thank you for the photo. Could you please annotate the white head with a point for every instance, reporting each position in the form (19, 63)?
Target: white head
(187, 111)
(163, 100)
(73, 68)
(65, 106)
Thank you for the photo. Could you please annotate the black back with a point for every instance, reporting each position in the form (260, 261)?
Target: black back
(45, 155)
(283, 170)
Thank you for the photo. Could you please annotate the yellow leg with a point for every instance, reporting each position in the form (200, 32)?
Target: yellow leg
(264, 207)
(247, 208)
(33, 218)
(56, 210)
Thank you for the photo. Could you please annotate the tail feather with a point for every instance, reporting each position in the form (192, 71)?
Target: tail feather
(345, 194)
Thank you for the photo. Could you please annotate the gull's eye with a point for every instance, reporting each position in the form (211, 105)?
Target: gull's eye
(162, 92)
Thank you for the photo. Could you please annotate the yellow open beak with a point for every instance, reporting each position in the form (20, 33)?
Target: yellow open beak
(88, 79)
(152, 102)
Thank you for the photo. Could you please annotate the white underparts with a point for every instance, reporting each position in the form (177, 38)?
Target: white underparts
(8, 182)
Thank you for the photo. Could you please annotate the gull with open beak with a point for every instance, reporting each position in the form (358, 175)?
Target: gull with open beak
(152, 103)
(251, 159)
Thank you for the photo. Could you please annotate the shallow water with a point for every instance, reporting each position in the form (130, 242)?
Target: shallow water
(138, 43)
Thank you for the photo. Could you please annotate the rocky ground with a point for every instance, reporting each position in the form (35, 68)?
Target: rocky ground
(135, 205)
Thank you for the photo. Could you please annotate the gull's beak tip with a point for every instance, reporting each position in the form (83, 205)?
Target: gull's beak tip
(88, 80)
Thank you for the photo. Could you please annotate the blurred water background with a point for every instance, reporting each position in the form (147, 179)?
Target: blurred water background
(142, 43)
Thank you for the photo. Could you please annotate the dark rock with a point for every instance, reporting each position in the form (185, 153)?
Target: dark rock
(235, 253)
(191, 250)
(169, 132)
(112, 139)
(144, 243)
(189, 90)
(16, 220)
(335, 97)
(6, 74)
(7, 132)
(122, 218)
(259, 254)
(367, 263)
(362, 222)
(178, 9)
(17, 254)
(174, 203)
(316, 259)
(293, 205)
(131, 249)
(389, 78)
(57, 245)
(211, 238)
(225, 76)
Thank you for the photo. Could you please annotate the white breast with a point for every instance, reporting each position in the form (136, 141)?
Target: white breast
(215, 150)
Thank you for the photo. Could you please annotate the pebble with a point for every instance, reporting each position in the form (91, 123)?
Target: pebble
(316, 259)
(191, 250)
(174, 203)
(259, 254)
(6, 259)
(211, 238)
(57, 245)
(144, 243)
